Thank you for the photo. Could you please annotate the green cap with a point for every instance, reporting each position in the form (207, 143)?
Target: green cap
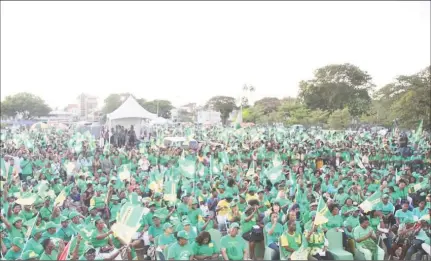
(37, 230)
(183, 234)
(29, 254)
(115, 197)
(234, 225)
(19, 242)
(64, 218)
(50, 224)
(252, 189)
(73, 214)
(228, 195)
(385, 196)
(166, 226)
(16, 219)
(186, 222)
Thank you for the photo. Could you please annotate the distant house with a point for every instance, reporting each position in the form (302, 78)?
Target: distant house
(208, 117)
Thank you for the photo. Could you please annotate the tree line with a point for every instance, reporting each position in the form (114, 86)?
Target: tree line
(336, 96)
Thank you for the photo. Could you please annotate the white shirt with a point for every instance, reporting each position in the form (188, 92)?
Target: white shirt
(17, 162)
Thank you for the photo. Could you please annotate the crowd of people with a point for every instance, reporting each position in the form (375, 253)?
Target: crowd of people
(261, 192)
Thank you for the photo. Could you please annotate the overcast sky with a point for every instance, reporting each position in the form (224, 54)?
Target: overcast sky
(191, 51)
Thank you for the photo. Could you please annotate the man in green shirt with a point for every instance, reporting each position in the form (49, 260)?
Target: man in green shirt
(291, 240)
(233, 247)
(26, 167)
(65, 232)
(181, 250)
(15, 252)
(365, 239)
(273, 231)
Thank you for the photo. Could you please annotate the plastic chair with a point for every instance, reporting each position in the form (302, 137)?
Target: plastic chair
(336, 245)
(269, 252)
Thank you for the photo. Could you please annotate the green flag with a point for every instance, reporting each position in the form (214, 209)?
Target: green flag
(188, 168)
(275, 174)
(170, 191)
(128, 221)
(371, 202)
(321, 213)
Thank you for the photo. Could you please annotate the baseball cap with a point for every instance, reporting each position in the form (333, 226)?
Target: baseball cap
(234, 225)
(183, 234)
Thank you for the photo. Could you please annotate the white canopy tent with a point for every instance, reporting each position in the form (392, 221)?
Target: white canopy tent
(130, 113)
(160, 121)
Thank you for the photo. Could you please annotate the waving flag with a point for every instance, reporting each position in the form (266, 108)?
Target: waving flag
(371, 202)
(128, 222)
(274, 175)
(322, 213)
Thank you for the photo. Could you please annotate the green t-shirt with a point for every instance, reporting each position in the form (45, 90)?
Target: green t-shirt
(164, 239)
(205, 250)
(65, 233)
(351, 222)
(385, 208)
(359, 232)
(293, 241)
(341, 198)
(334, 222)
(234, 246)
(26, 167)
(273, 238)
(155, 231)
(178, 252)
(99, 242)
(246, 226)
(14, 232)
(194, 216)
(402, 216)
(12, 255)
(207, 228)
(402, 193)
(35, 246)
(52, 256)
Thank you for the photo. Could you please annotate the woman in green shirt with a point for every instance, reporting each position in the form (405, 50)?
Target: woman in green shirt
(100, 237)
(33, 243)
(204, 248)
(49, 250)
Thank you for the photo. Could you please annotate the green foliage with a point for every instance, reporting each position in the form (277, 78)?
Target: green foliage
(268, 104)
(339, 119)
(162, 107)
(407, 99)
(29, 105)
(224, 104)
(113, 101)
(336, 86)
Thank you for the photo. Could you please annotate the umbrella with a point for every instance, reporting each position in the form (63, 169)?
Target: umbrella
(38, 126)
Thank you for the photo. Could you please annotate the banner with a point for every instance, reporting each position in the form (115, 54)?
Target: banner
(128, 222)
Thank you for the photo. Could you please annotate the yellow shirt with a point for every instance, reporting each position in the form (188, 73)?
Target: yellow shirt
(224, 207)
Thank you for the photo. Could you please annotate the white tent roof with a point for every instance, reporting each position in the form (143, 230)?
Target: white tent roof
(131, 109)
